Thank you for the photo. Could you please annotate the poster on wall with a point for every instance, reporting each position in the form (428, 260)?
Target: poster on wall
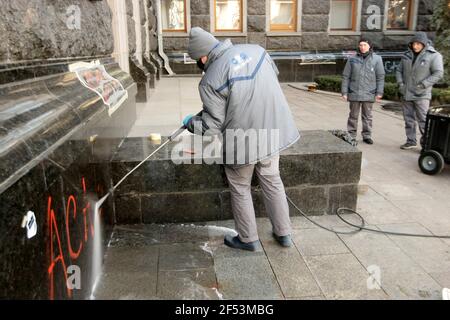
(94, 77)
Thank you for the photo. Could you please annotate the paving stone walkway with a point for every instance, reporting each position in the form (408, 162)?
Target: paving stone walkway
(190, 261)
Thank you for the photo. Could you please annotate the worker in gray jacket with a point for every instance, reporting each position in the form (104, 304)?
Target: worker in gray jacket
(362, 83)
(420, 68)
(241, 95)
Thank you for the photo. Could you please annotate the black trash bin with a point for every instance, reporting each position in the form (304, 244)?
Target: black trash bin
(436, 149)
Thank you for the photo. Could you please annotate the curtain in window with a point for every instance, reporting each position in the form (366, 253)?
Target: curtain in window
(282, 12)
(398, 13)
(341, 15)
(228, 15)
(173, 13)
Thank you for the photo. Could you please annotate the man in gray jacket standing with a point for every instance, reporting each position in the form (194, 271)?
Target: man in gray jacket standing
(362, 83)
(420, 68)
(241, 95)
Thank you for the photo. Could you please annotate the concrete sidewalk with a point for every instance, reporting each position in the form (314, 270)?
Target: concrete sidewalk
(170, 102)
(191, 262)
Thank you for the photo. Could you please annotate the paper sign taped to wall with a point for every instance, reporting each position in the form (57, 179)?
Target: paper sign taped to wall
(94, 77)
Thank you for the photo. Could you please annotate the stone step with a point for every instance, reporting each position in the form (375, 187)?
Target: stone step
(320, 172)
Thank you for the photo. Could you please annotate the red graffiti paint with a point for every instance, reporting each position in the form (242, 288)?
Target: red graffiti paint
(56, 246)
(72, 203)
(53, 231)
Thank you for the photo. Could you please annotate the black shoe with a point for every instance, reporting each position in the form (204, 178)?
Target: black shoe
(284, 241)
(236, 243)
(408, 146)
(368, 140)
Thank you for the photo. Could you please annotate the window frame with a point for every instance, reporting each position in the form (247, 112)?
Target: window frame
(214, 17)
(355, 6)
(186, 28)
(413, 20)
(409, 20)
(284, 27)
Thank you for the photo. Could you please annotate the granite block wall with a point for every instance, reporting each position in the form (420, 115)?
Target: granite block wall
(314, 35)
(56, 141)
(320, 172)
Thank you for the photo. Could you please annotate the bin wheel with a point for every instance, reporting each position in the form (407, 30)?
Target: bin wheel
(431, 162)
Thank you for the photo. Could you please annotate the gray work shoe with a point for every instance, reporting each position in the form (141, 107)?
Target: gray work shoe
(236, 243)
(408, 146)
(284, 241)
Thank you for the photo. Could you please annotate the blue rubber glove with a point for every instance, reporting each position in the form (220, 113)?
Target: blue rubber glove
(187, 120)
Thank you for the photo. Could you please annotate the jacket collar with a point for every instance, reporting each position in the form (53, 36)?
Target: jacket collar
(369, 55)
(217, 52)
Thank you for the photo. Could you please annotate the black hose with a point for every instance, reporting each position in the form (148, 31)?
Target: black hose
(362, 226)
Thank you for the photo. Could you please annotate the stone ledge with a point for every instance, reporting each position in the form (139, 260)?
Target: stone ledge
(321, 173)
(298, 166)
(209, 205)
(37, 116)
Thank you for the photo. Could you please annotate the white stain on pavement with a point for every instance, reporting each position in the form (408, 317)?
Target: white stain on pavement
(219, 295)
(206, 248)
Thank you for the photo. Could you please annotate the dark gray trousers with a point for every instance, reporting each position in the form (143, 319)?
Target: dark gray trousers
(273, 192)
(366, 115)
(415, 111)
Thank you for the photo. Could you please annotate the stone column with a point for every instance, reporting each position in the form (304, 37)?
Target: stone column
(315, 37)
(138, 71)
(138, 19)
(147, 59)
(256, 10)
(120, 31)
(201, 14)
(153, 38)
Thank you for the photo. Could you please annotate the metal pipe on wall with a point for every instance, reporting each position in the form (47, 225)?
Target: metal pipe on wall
(160, 40)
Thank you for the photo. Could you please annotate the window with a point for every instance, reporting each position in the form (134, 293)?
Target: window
(174, 15)
(228, 15)
(283, 15)
(343, 15)
(399, 13)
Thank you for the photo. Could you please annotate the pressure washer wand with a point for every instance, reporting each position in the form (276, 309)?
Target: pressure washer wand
(174, 135)
(171, 138)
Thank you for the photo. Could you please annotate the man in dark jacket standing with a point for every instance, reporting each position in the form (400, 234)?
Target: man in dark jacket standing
(362, 83)
(420, 68)
(241, 94)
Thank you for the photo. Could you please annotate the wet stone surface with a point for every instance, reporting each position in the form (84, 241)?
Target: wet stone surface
(190, 261)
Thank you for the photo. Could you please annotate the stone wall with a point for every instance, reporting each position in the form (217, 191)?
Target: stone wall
(313, 35)
(320, 173)
(131, 27)
(57, 137)
(152, 25)
(44, 29)
(56, 140)
(145, 63)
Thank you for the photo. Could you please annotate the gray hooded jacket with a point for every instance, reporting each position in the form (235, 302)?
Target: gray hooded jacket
(416, 80)
(363, 79)
(240, 90)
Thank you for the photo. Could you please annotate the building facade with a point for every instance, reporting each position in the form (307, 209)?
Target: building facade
(57, 137)
(305, 27)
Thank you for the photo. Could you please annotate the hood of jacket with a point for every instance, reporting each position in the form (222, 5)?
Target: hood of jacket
(428, 47)
(420, 37)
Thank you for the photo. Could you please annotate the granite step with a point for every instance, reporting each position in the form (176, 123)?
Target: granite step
(321, 173)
